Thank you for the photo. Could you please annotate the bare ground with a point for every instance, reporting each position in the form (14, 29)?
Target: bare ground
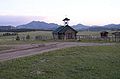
(32, 49)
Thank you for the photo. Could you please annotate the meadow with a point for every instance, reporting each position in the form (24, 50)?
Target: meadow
(8, 40)
(91, 62)
(5, 48)
(11, 40)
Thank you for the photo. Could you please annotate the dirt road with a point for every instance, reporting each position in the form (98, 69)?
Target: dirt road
(32, 49)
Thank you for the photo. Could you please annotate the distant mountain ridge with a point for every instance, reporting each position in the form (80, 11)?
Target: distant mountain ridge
(52, 26)
(6, 27)
(113, 26)
(80, 27)
(39, 25)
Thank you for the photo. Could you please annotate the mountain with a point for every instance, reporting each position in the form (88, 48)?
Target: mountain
(105, 27)
(98, 28)
(6, 27)
(80, 27)
(39, 25)
(117, 26)
(48, 26)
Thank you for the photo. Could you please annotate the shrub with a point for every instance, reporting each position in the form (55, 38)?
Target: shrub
(17, 38)
(28, 37)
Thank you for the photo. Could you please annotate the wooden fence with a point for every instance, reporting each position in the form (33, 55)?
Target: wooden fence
(80, 37)
(43, 37)
(111, 38)
(98, 38)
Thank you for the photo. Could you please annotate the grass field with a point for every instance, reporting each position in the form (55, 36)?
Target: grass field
(95, 62)
(11, 39)
(5, 48)
(14, 42)
(88, 33)
(34, 33)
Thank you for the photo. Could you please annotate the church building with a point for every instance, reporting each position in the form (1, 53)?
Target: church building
(64, 32)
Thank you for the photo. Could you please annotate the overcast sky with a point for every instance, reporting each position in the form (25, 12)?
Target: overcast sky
(88, 12)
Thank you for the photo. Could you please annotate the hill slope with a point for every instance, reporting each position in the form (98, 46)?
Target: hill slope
(39, 25)
(52, 26)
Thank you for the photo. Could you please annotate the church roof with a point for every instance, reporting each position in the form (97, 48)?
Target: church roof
(63, 29)
(66, 19)
(58, 29)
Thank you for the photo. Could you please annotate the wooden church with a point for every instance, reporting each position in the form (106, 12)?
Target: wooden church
(64, 32)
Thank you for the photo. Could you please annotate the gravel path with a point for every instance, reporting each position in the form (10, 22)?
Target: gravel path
(27, 50)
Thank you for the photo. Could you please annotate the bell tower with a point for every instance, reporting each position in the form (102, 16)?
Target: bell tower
(66, 21)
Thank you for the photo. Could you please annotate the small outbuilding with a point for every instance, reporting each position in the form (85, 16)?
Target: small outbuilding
(104, 34)
(116, 34)
(64, 32)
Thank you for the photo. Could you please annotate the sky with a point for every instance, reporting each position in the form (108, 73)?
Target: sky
(87, 12)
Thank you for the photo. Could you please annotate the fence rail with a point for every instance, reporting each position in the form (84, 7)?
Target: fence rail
(111, 38)
(99, 38)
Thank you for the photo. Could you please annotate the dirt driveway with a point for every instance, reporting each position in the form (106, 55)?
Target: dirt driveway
(32, 49)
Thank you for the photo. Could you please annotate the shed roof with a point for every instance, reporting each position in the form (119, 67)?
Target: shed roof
(104, 32)
(116, 33)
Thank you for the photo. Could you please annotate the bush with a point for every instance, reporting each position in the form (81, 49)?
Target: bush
(38, 37)
(9, 34)
(17, 38)
(28, 37)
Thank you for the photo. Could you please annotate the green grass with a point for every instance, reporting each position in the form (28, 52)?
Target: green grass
(35, 33)
(14, 42)
(5, 48)
(9, 40)
(97, 62)
(95, 41)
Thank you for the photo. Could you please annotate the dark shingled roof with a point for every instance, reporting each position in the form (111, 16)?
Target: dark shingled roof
(116, 33)
(63, 29)
(104, 32)
(58, 29)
